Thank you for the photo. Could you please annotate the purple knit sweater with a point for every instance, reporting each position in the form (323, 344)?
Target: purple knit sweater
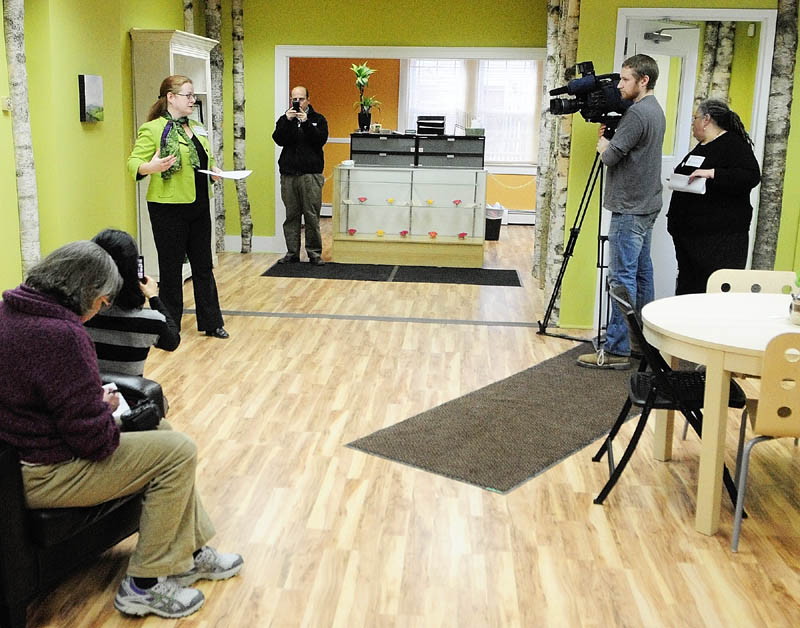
(51, 400)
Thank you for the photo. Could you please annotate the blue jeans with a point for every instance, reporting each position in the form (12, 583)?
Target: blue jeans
(629, 238)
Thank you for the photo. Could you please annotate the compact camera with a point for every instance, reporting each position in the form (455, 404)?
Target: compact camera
(595, 97)
(296, 104)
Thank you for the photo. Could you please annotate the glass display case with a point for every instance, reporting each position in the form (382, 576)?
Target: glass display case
(407, 216)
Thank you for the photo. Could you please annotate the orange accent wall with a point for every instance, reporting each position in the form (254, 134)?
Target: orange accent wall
(332, 90)
(512, 191)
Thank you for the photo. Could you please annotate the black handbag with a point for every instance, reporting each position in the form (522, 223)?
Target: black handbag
(143, 416)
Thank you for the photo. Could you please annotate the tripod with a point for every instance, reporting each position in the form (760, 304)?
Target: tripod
(595, 173)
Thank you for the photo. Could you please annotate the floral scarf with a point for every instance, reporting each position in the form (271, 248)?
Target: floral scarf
(170, 144)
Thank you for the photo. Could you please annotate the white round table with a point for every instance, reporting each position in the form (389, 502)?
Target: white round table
(727, 332)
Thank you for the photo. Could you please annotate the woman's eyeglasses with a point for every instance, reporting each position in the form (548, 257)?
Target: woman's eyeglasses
(188, 96)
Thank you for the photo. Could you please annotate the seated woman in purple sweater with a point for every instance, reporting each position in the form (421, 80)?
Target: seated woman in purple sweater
(124, 333)
(55, 413)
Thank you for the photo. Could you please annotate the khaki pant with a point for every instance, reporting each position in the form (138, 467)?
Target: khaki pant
(302, 196)
(173, 523)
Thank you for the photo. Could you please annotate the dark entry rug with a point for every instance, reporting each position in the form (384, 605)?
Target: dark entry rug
(408, 274)
(502, 435)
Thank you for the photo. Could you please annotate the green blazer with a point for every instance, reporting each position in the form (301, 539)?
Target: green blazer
(179, 188)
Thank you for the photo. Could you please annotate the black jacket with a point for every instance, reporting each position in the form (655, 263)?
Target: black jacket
(302, 143)
(725, 207)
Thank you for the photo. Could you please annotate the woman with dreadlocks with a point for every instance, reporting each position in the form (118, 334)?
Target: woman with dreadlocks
(711, 229)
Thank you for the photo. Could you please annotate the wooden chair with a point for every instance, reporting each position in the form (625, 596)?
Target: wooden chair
(767, 281)
(776, 414)
(660, 388)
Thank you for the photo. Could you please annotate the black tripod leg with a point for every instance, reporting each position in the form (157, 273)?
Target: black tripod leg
(594, 173)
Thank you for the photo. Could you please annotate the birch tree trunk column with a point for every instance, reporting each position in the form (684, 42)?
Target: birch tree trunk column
(779, 111)
(214, 31)
(239, 162)
(188, 16)
(563, 150)
(27, 198)
(702, 84)
(554, 145)
(546, 144)
(721, 75)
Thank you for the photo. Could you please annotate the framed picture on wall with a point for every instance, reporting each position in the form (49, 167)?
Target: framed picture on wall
(90, 94)
(197, 113)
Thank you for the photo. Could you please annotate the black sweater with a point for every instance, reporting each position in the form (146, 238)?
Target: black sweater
(725, 207)
(302, 143)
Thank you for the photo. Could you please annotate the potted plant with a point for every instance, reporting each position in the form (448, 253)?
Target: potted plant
(364, 103)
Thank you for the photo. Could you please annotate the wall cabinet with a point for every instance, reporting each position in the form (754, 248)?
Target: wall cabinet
(155, 55)
(409, 216)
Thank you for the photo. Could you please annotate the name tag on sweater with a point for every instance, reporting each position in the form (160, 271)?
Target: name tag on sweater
(695, 161)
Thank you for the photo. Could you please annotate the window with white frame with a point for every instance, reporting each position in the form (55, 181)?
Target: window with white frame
(501, 95)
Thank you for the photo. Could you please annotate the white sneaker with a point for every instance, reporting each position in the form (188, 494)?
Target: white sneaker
(166, 598)
(210, 565)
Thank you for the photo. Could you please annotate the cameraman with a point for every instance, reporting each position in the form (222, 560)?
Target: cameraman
(633, 196)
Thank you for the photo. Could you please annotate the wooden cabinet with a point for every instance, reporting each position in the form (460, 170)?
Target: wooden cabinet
(409, 216)
(155, 55)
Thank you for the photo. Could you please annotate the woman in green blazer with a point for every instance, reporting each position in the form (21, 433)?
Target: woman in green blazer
(172, 149)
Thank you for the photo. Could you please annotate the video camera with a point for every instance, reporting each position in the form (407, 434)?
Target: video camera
(595, 97)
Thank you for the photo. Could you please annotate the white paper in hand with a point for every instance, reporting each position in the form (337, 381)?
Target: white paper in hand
(680, 182)
(123, 406)
(229, 174)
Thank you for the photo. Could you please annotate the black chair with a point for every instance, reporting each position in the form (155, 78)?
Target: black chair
(39, 547)
(660, 388)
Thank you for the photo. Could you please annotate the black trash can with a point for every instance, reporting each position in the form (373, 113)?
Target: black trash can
(492, 228)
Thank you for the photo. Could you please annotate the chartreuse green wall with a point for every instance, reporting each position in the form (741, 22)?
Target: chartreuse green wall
(596, 42)
(10, 258)
(743, 71)
(81, 179)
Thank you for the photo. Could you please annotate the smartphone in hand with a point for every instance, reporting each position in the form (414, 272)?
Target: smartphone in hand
(140, 268)
(296, 104)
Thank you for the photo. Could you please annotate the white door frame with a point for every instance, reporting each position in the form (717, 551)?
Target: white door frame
(766, 47)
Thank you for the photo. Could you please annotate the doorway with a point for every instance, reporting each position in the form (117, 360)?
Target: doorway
(676, 50)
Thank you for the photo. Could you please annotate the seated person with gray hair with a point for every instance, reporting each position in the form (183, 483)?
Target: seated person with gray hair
(55, 413)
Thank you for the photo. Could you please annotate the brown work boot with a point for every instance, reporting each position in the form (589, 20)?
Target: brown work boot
(604, 360)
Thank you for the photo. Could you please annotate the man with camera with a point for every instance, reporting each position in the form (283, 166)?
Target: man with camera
(633, 196)
(302, 132)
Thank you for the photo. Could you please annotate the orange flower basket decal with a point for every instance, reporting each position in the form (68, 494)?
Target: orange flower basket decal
(351, 231)
(403, 233)
(462, 235)
(432, 234)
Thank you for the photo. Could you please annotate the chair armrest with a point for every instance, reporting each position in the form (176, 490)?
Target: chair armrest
(134, 388)
(18, 569)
